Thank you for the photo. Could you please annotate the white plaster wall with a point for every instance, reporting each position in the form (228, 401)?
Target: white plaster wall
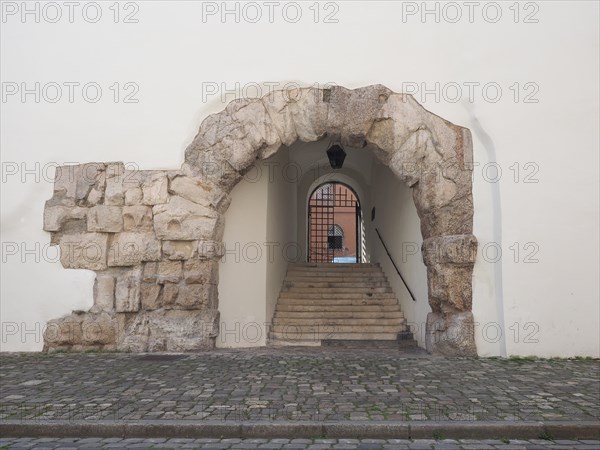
(397, 220)
(171, 53)
(243, 270)
(281, 246)
(259, 225)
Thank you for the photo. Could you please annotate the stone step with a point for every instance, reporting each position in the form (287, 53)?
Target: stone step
(275, 342)
(370, 343)
(336, 273)
(337, 301)
(278, 336)
(406, 338)
(361, 329)
(337, 279)
(335, 295)
(334, 284)
(398, 321)
(348, 271)
(335, 269)
(340, 314)
(334, 308)
(339, 290)
(333, 265)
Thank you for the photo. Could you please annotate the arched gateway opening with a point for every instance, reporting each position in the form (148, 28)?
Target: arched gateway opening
(157, 236)
(334, 225)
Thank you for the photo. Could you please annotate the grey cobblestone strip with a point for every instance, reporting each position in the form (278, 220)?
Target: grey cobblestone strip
(308, 444)
(295, 385)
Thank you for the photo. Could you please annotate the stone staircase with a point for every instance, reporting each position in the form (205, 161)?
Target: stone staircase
(338, 305)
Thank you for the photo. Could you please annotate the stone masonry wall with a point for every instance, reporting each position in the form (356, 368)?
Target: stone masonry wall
(154, 238)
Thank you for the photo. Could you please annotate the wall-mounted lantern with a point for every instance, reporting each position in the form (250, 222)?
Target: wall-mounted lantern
(336, 155)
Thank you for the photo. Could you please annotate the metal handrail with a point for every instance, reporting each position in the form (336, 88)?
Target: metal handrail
(395, 266)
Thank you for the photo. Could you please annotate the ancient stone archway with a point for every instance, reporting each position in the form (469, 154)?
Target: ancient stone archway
(154, 237)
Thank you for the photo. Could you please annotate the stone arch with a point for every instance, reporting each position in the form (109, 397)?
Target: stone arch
(150, 313)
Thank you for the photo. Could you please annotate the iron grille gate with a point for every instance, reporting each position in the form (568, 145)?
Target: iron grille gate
(322, 238)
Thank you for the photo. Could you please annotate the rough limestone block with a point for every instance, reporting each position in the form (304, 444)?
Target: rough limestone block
(149, 272)
(133, 195)
(450, 335)
(65, 331)
(352, 112)
(194, 190)
(105, 219)
(195, 296)
(82, 330)
(396, 121)
(201, 271)
(179, 250)
(454, 219)
(169, 295)
(183, 220)
(451, 249)
(65, 182)
(237, 135)
(412, 161)
(84, 251)
(172, 331)
(129, 248)
(210, 249)
(55, 217)
(259, 133)
(104, 293)
(191, 296)
(96, 194)
(128, 290)
(309, 109)
(113, 194)
(200, 192)
(88, 176)
(150, 296)
(449, 285)
(169, 272)
(276, 104)
(155, 189)
(99, 329)
(137, 218)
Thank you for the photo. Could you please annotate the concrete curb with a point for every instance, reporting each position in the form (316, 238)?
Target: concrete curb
(272, 430)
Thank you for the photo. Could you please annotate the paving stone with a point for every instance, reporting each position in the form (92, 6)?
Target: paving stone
(350, 444)
(268, 384)
(476, 446)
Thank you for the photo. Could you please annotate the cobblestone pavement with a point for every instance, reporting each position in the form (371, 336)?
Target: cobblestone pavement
(309, 444)
(295, 384)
